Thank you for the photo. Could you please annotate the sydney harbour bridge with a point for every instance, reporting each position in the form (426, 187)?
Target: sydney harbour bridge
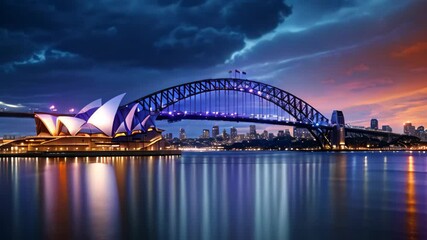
(242, 100)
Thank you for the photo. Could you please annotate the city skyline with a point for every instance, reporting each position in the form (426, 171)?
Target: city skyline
(373, 66)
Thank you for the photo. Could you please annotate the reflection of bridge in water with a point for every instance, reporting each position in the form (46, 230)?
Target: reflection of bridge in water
(241, 100)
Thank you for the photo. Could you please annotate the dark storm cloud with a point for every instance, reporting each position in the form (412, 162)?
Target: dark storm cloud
(255, 18)
(15, 46)
(193, 33)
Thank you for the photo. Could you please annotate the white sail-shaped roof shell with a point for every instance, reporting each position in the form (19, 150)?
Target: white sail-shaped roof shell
(49, 122)
(130, 116)
(72, 124)
(103, 118)
(88, 128)
(127, 123)
(121, 128)
(95, 104)
(141, 125)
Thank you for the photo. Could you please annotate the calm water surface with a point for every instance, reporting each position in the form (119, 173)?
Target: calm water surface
(226, 195)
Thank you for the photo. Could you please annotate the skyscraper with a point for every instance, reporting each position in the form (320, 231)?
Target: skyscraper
(182, 134)
(374, 124)
(225, 135)
(252, 131)
(264, 135)
(408, 129)
(215, 131)
(233, 133)
(205, 133)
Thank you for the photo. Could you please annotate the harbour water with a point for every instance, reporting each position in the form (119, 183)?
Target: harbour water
(216, 195)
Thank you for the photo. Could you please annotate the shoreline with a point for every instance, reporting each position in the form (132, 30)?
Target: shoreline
(94, 153)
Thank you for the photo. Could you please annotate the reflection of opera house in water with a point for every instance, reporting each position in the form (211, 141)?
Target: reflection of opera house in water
(96, 127)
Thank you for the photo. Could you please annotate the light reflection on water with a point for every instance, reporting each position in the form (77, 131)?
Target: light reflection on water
(228, 195)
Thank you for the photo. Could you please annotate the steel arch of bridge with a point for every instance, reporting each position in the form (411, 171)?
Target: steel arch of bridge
(295, 106)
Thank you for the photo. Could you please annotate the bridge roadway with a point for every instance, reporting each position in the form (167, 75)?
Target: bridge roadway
(234, 118)
(227, 117)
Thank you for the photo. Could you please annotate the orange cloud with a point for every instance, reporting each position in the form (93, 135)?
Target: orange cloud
(414, 49)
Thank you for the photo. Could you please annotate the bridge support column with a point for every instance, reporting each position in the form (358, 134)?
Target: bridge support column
(338, 137)
(338, 133)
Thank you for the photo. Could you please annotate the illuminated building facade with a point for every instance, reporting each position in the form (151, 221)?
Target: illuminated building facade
(96, 126)
(374, 124)
(205, 133)
(215, 131)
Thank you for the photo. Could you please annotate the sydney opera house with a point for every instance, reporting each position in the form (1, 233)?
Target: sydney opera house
(96, 127)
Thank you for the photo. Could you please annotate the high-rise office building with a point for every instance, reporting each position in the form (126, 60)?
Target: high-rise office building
(387, 128)
(420, 132)
(408, 129)
(374, 124)
(252, 131)
(264, 135)
(270, 136)
(287, 133)
(215, 131)
(225, 135)
(205, 133)
(182, 134)
(281, 133)
(233, 133)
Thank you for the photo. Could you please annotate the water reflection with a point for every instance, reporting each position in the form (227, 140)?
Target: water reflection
(411, 201)
(216, 196)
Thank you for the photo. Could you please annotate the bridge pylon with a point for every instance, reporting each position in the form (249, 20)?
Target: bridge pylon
(338, 131)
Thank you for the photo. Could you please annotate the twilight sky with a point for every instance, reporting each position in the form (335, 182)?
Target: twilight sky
(367, 58)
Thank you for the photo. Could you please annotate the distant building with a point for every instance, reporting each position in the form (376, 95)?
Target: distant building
(374, 124)
(225, 134)
(233, 133)
(205, 133)
(270, 136)
(168, 136)
(252, 131)
(215, 131)
(387, 128)
(264, 135)
(182, 134)
(9, 137)
(408, 129)
(420, 132)
(287, 133)
(280, 133)
(302, 133)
